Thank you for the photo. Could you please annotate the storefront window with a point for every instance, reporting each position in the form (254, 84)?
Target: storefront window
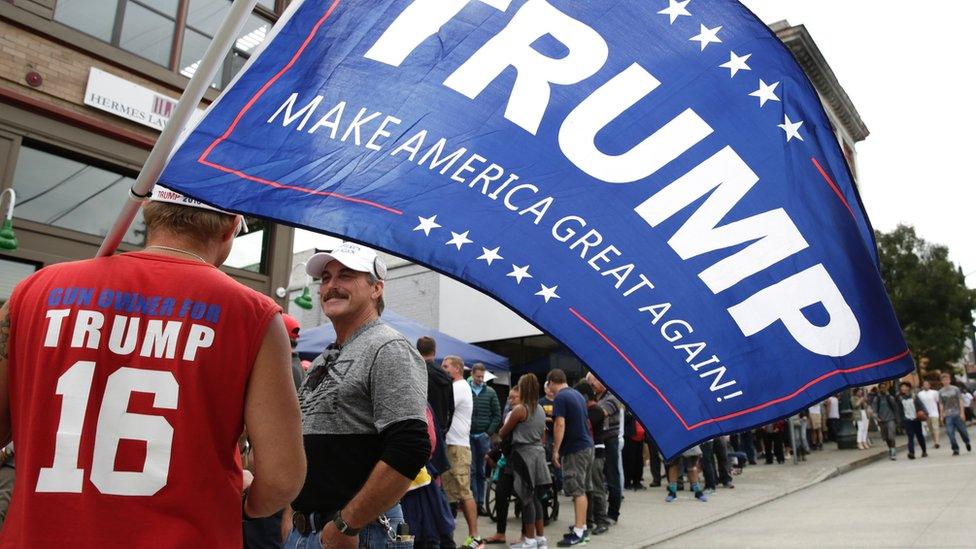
(148, 28)
(67, 192)
(147, 33)
(249, 251)
(64, 192)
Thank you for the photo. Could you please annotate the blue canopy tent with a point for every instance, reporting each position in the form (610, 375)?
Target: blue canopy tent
(313, 341)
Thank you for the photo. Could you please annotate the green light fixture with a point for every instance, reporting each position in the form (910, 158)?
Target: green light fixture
(8, 240)
(305, 300)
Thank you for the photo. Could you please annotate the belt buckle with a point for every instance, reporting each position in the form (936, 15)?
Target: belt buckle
(301, 523)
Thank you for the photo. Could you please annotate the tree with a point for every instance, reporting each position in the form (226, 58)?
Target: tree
(929, 294)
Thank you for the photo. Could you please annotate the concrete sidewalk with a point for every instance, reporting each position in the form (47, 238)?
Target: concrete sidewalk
(646, 519)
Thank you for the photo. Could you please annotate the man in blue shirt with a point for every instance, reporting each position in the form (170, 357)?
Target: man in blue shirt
(572, 450)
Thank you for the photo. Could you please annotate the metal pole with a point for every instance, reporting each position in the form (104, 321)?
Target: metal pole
(204, 75)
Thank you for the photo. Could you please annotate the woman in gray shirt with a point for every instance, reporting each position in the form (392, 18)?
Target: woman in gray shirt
(527, 425)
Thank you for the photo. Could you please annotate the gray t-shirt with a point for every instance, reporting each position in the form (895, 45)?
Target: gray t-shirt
(347, 399)
(950, 395)
(377, 379)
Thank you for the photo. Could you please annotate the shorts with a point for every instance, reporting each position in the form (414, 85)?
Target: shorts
(690, 462)
(815, 422)
(576, 472)
(457, 480)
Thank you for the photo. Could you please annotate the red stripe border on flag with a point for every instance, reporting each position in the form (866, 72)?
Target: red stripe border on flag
(247, 106)
(755, 408)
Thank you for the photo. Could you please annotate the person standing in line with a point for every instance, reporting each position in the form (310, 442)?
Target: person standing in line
(486, 418)
(654, 460)
(814, 423)
(157, 346)
(930, 399)
(885, 408)
(440, 390)
(833, 416)
(440, 402)
(689, 459)
(572, 450)
(364, 412)
(505, 479)
(597, 522)
(859, 403)
(457, 480)
(633, 452)
(912, 407)
(950, 409)
(612, 411)
(527, 426)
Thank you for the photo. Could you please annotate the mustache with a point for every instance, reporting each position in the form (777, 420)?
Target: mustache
(334, 294)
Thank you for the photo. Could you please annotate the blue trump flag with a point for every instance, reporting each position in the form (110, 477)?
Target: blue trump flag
(652, 182)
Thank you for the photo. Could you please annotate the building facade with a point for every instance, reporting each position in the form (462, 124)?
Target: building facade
(85, 88)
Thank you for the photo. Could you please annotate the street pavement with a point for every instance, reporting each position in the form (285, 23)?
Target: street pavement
(646, 519)
(922, 503)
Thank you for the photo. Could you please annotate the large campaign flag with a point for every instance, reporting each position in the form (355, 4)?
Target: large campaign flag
(652, 182)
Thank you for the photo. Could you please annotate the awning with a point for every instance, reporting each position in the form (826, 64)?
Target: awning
(312, 341)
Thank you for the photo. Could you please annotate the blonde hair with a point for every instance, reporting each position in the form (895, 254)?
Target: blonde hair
(196, 223)
(455, 361)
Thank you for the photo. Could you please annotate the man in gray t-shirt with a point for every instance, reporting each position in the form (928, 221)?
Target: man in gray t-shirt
(364, 411)
(950, 408)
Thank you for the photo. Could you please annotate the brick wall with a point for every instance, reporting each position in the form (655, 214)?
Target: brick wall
(65, 74)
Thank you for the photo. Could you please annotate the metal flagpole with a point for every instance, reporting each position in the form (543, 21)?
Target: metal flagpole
(204, 75)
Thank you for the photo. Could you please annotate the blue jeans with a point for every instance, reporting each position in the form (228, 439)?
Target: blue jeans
(372, 536)
(913, 429)
(955, 423)
(480, 444)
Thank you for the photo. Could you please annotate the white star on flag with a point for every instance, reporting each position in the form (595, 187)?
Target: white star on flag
(427, 224)
(519, 273)
(490, 255)
(765, 92)
(791, 128)
(675, 10)
(736, 63)
(459, 239)
(547, 292)
(707, 36)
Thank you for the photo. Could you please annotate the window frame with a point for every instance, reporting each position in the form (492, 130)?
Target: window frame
(180, 26)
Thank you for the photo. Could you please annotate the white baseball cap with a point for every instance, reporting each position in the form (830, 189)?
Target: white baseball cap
(352, 255)
(162, 194)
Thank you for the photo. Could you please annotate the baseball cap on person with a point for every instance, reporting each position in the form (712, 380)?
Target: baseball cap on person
(162, 194)
(352, 255)
(291, 326)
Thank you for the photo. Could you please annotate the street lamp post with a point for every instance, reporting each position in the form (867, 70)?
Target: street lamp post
(846, 433)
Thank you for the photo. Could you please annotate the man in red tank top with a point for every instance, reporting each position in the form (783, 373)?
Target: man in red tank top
(125, 382)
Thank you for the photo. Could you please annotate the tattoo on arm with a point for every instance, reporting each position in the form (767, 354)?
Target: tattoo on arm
(4, 338)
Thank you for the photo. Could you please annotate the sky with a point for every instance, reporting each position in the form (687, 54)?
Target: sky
(904, 69)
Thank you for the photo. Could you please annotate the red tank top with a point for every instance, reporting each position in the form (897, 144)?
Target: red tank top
(127, 379)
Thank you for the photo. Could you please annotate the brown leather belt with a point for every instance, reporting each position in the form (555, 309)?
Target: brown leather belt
(305, 524)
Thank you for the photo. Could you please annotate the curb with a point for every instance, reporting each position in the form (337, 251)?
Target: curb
(838, 471)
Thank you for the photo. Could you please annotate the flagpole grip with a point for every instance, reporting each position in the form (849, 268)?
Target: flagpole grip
(161, 151)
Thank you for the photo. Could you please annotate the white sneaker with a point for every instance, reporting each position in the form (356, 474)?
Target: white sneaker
(525, 544)
(542, 542)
